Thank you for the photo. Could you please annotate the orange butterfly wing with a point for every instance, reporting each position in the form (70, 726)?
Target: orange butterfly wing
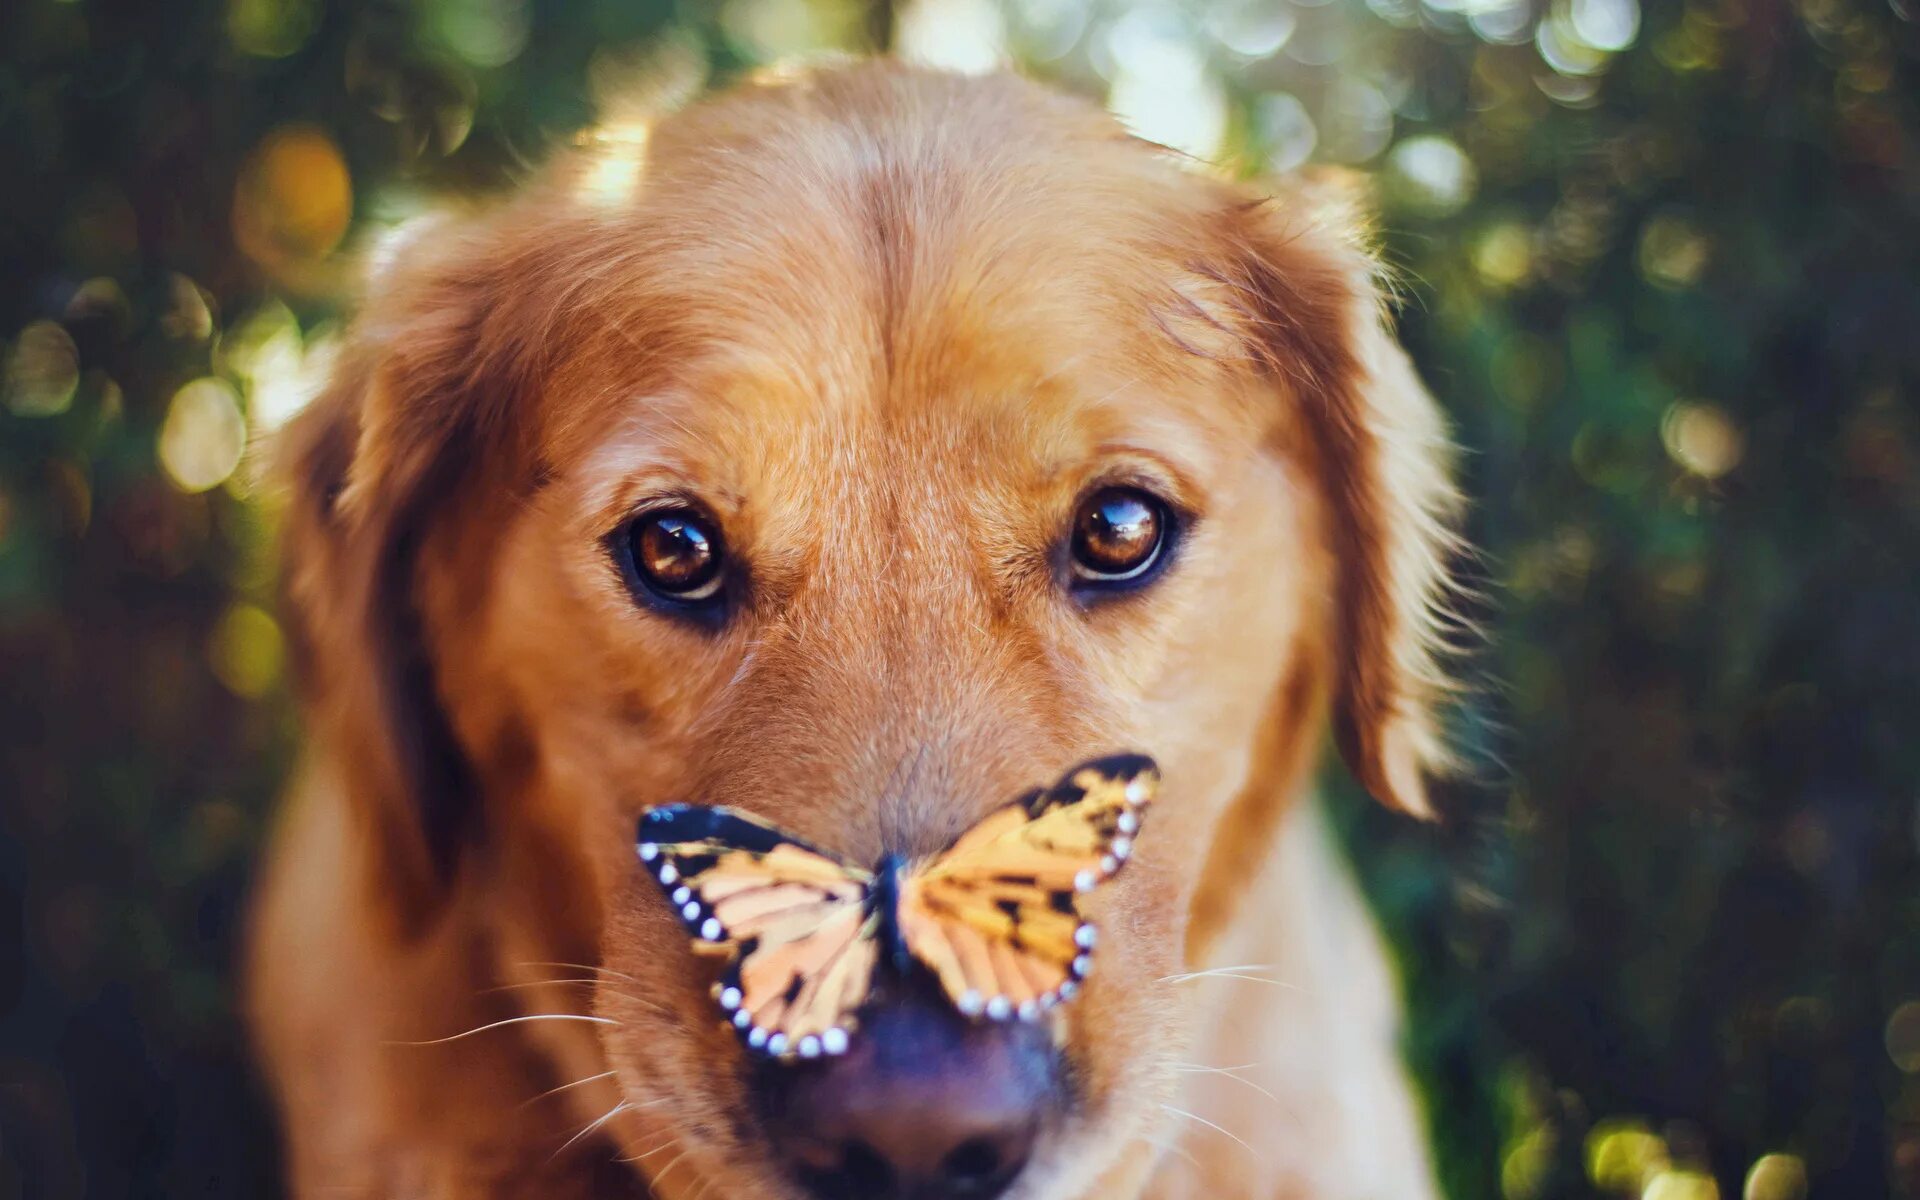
(795, 923)
(997, 917)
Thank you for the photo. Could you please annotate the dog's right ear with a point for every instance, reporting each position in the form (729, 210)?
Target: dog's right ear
(432, 391)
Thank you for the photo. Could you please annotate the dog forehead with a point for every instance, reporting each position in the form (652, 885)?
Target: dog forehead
(827, 278)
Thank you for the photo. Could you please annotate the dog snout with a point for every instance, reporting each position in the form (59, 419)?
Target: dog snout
(925, 1106)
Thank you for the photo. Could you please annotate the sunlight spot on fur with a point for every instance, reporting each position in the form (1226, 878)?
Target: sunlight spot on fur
(612, 174)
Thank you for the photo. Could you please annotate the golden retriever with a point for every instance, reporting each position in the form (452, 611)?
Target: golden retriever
(859, 450)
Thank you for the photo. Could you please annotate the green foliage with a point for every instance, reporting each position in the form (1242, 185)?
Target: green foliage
(1662, 266)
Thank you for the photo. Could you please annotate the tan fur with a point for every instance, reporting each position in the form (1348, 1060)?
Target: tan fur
(887, 326)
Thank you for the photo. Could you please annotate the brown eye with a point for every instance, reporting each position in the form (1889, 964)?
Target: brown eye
(1118, 536)
(676, 555)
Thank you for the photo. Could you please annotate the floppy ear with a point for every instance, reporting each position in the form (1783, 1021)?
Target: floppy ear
(1309, 289)
(429, 394)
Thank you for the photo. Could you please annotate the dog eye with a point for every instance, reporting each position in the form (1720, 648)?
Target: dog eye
(1119, 536)
(675, 554)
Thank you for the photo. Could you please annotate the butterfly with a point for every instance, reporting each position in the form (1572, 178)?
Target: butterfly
(995, 917)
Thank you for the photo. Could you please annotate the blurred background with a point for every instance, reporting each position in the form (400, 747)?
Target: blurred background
(1661, 262)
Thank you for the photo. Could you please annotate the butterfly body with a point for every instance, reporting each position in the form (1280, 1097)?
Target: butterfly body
(995, 918)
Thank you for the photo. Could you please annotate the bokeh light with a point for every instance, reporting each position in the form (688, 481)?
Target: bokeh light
(293, 198)
(1286, 129)
(245, 651)
(1702, 438)
(271, 28)
(280, 370)
(204, 435)
(968, 36)
(1431, 174)
(1672, 252)
(1903, 1037)
(1681, 1185)
(1625, 1156)
(481, 33)
(42, 371)
(1776, 1177)
(1163, 87)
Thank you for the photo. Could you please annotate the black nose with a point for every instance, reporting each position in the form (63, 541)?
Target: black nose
(923, 1106)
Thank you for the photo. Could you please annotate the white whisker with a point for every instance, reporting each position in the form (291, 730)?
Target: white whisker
(1181, 1112)
(510, 1021)
(1230, 1073)
(1173, 1146)
(642, 1001)
(1241, 972)
(671, 1164)
(571, 966)
(563, 1087)
(534, 983)
(1246, 1066)
(669, 1144)
(609, 1115)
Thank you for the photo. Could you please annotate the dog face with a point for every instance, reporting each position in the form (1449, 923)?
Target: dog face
(890, 444)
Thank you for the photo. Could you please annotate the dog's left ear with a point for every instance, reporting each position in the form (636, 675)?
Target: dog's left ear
(1302, 272)
(429, 399)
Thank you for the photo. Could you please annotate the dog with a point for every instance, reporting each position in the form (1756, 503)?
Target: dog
(858, 450)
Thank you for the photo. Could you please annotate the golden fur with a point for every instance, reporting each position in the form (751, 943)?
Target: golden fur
(888, 325)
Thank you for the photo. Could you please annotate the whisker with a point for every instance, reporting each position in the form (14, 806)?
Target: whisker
(563, 1087)
(534, 983)
(571, 966)
(1247, 1066)
(671, 1164)
(1229, 1072)
(1240, 972)
(1174, 1146)
(1181, 1112)
(642, 1001)
(510, 1021)
(669, 1144)
(609, 1115)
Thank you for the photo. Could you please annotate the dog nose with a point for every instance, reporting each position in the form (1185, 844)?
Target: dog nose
(923, 1106)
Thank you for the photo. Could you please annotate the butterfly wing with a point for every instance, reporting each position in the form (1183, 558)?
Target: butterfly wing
(997, 917)
(795, 923)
